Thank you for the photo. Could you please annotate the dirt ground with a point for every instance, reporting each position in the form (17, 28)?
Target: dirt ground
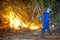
(8, 34)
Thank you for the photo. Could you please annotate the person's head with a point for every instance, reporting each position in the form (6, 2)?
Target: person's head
(48, 10)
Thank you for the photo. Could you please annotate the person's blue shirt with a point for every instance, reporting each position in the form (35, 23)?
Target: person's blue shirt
(46, 17)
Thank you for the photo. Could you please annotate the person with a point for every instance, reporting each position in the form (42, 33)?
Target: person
(46, 19)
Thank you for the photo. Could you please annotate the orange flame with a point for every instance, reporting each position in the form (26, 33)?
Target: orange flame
(17, 23)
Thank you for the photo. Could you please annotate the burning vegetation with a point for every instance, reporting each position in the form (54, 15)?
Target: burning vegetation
(16, 21)
(16, 16)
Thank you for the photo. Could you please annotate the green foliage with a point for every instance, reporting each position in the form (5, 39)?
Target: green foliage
(50, 3)
(58, 17)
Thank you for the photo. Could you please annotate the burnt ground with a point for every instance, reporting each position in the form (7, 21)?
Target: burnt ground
(8, 34)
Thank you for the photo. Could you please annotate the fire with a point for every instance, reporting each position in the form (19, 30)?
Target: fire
(34, 27)
(24, 25)
(16, 23)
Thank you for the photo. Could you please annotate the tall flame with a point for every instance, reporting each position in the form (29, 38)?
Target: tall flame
(16, 23)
